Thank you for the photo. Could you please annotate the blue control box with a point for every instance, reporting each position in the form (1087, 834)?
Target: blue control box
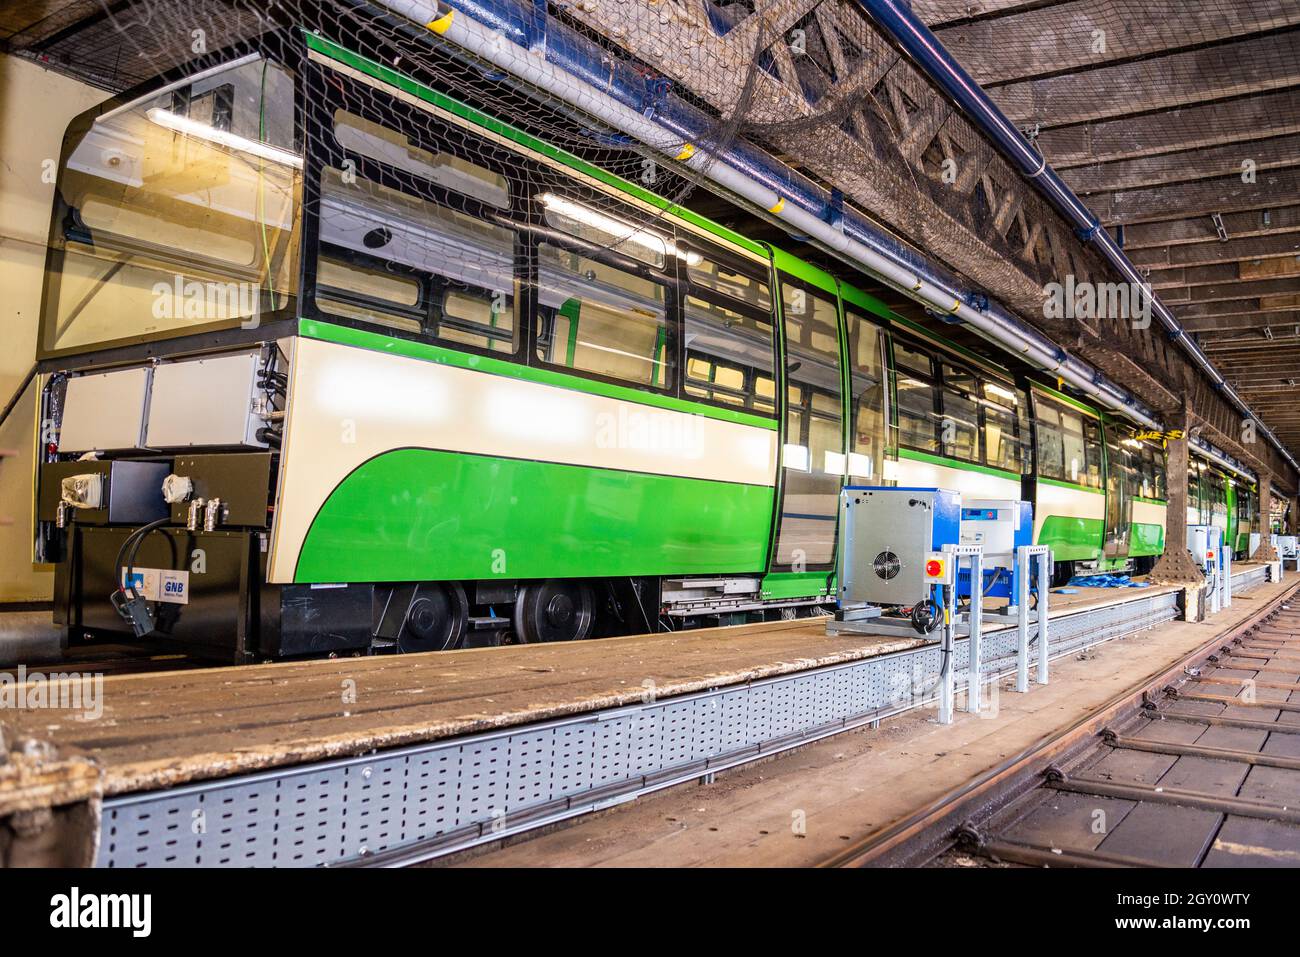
(1001, 526)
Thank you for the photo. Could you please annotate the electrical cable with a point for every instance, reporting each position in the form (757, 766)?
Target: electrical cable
(132, 542)
(924, 625)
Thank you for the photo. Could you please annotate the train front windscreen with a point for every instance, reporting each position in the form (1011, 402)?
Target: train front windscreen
(176, 213)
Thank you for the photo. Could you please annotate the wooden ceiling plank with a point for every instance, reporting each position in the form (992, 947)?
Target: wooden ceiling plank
(1063, 37)
(1212, 124)
(1176, 81)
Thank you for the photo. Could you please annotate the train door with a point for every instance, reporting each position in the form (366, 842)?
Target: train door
(1196, 513)
(1119, 500)
(1230, 510)
(868, 388)
(1217, 485)
(813, 453)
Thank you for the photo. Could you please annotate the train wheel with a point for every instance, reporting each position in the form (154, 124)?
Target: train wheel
(553, 610)
(436, 619)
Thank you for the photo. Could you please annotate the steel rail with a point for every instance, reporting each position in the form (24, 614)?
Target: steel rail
(1244, 807)
(1238, 702)
(1039, 855)
(1127, 743)
(935, 824)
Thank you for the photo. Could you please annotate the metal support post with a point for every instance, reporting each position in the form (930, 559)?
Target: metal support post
(947, 653)
(1025, 556)
(954, 554)
(974, 671)
(1216, 585)
(1225, 586)
(1022, 620)
(1044, 586)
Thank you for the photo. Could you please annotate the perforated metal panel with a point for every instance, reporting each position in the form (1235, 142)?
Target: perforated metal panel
(451, 794)
(1251, 578)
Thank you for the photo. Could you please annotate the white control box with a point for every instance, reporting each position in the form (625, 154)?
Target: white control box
(205, 402)
(104, 412)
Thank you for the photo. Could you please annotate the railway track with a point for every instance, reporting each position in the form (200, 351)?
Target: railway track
(1197, 766)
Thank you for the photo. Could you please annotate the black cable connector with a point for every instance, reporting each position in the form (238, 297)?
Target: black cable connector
(132, 607)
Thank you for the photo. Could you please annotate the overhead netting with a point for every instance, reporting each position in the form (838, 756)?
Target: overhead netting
(813, 81)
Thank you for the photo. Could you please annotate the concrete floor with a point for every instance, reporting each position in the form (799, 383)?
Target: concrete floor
(801, 807)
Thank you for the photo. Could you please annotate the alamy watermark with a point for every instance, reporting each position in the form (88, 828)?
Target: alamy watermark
(208, 301)
(64, 691)
(649, 431)
(75, 909)
(1071, 299)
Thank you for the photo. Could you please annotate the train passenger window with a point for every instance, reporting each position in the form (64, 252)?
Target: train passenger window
(744, 285)
(599, 319)
(1151, 465)
(914, 360)
(1092, 454)
(1069, 444)
(728, 330)
(1072, 440)
(1142, 475)
(605, 230)
(959, 425)
(459, 259)
(717, 382)
(359, 135)
(1004, 429)
(477, 319)
(1135, 479)
(813, 455)
(1218, 494)
(917, 419)
(960, 379)
(867, 397)
(1051, 446)
(196, 186)
(959, 430)
(368, 293)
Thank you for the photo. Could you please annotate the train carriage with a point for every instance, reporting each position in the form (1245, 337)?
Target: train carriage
(346, 363)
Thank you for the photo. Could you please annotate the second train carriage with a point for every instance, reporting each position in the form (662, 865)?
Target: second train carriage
(479, 384)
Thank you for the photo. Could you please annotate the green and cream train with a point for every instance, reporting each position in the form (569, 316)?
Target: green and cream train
(334, 362)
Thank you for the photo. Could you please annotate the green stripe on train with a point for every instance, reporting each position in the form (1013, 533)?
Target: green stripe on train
(951, 463)
(1072, 539)
(1145, 539)
(427, 515)
(782, 585)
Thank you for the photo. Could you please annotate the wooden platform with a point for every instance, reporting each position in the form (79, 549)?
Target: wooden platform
(163, 729)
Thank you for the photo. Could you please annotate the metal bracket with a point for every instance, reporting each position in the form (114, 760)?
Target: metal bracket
(1024, 558)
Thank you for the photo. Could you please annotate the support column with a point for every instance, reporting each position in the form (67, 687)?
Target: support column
(1176, 564)
(1266, 552)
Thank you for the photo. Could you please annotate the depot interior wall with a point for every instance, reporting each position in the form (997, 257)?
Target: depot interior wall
(35, 107)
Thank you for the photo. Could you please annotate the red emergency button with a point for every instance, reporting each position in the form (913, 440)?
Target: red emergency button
(934, 568)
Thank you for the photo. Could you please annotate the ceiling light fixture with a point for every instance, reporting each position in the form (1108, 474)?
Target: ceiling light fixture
(183, 124)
